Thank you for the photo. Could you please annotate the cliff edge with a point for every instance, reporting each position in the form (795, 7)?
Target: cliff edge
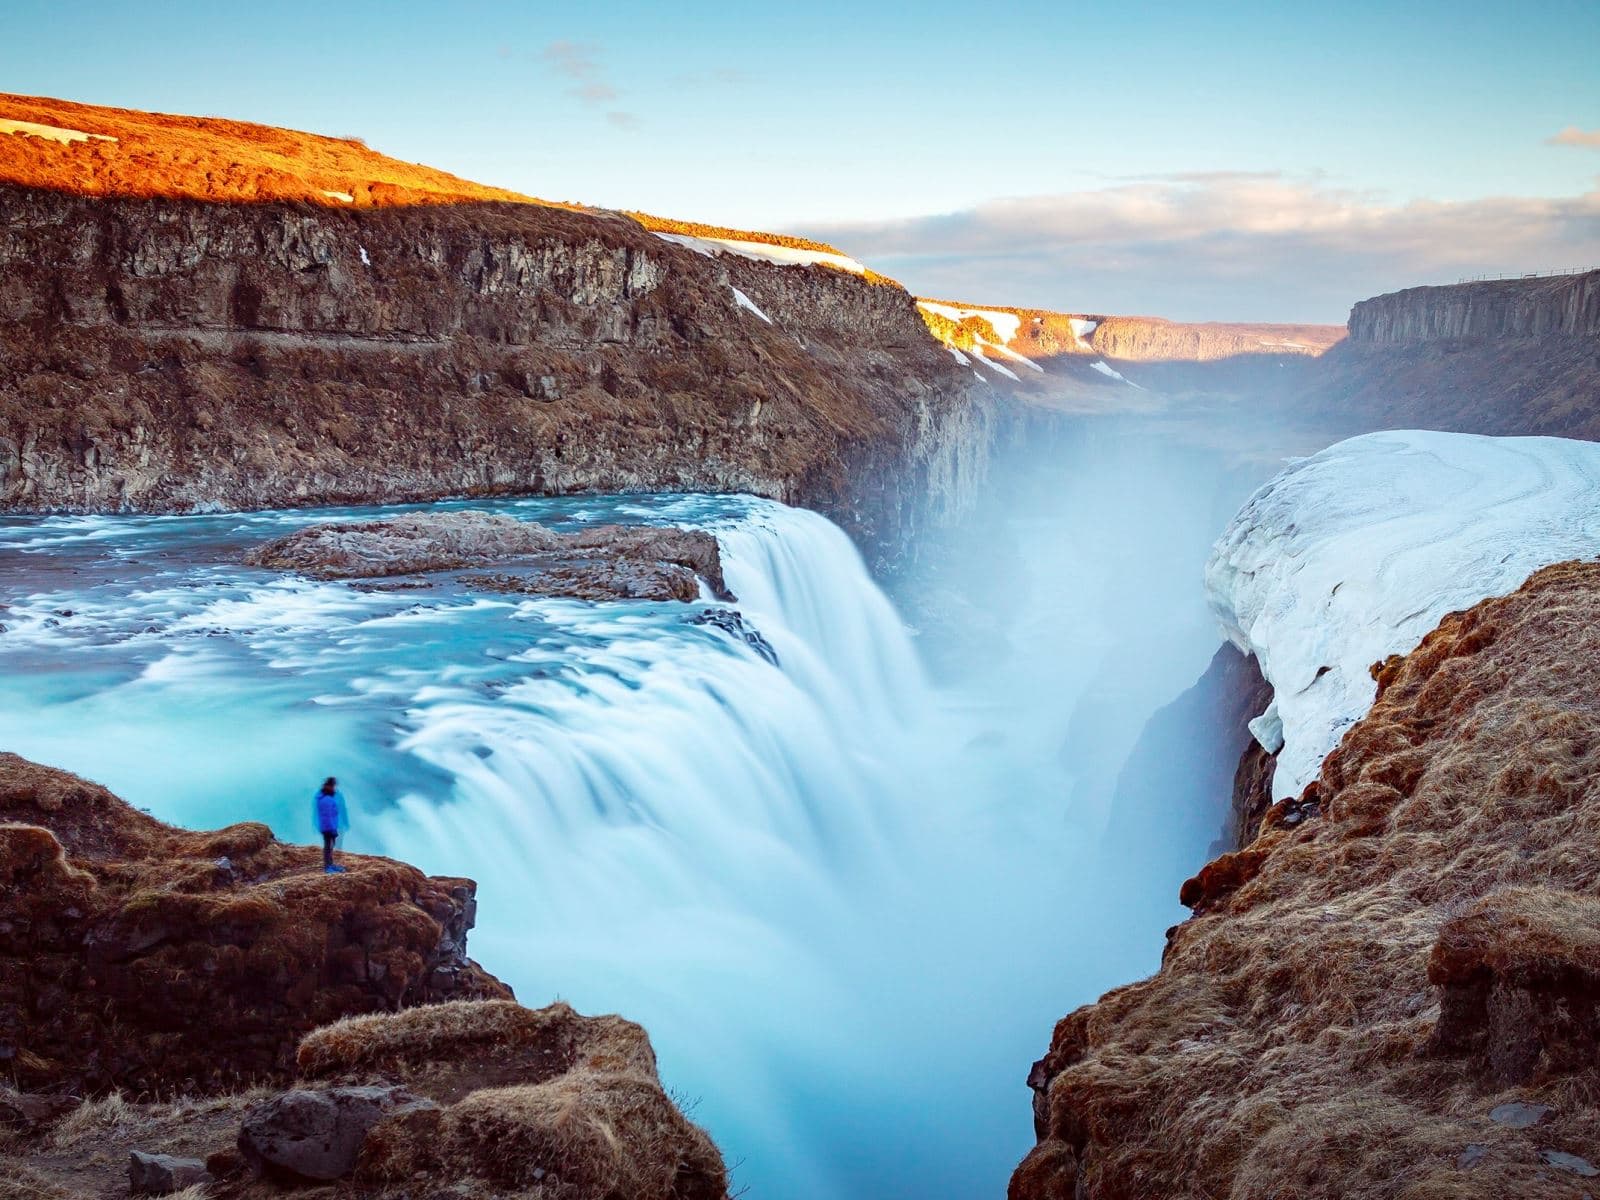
(328, 326)
(182, 1009)
(1393, 990)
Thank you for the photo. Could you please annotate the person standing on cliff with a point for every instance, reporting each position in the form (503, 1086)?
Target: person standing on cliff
(329, 813)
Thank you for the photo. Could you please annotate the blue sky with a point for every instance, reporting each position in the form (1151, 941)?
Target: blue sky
(852, 117)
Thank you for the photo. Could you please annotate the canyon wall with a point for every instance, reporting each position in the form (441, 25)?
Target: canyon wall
(1393, 990)
(1504, 308)
(169, 355)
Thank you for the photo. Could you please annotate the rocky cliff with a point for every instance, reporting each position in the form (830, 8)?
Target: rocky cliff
(1393, 990)
(165, 352)
(121, 936)
(181, 1008)
(1503, 357)
(1553, 306)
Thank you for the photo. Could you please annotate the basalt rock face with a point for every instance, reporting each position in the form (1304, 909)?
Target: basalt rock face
(138, 956)
(1555, 306)
(166, 354)
(1519, 356)
(1394, 989)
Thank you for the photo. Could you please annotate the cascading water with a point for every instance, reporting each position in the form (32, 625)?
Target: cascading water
(847, 905)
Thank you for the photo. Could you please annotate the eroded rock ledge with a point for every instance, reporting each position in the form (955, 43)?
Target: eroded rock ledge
(184, 1008)
(1393, 991)
(140, 956)
(606, 562)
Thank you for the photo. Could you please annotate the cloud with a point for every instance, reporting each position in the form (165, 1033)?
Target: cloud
(1588, 139)
(1218, 246)
(579, 62)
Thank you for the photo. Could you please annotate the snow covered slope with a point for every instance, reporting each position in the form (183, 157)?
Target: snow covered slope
(1357, 552)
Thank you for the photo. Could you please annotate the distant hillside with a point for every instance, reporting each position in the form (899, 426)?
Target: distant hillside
(1061, 357)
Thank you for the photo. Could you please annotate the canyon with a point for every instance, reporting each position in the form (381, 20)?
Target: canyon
(262, 336)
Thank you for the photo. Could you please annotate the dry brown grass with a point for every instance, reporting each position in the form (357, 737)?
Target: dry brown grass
(1344, 1014)
(466, 1030)
(210, 158)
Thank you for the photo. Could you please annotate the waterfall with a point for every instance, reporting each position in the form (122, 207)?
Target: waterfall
(846, 904)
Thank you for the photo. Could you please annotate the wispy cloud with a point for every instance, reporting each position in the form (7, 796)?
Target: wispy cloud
(579, 63)
(1219, 246)
(1588, 139)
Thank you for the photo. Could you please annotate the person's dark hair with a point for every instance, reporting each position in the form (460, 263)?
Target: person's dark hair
(329, 784)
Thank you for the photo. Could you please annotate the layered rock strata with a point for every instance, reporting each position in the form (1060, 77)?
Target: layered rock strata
(162, 353)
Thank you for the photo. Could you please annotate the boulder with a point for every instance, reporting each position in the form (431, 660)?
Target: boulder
(317, 1135)
(26, 1111)
(162, 1174)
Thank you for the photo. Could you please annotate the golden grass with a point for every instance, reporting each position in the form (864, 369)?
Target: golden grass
(210, 158)
(1289, 1047)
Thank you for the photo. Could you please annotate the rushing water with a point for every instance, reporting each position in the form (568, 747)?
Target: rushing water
(848, 905)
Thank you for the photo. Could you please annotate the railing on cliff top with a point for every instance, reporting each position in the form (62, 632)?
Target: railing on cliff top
(1527, 274)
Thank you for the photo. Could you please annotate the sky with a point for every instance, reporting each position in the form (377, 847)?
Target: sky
(1222, 161)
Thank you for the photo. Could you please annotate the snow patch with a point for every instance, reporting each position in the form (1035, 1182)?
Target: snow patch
(959, 357)
(366, 260)
(977, 352)
(1004, 324)
(1012, 355)
(345, 196)
(1356, 553)
(1113, 373)
(785, 256)
(745, 302)
(1082, 327)
(51, 133)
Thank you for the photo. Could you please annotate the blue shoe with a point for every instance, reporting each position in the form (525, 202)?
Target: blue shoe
(333, 870)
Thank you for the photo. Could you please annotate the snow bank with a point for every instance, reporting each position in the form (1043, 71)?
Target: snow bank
(1356, 553)
(745, 302)
(1082, 327)
(958, 356)
(53, 133)
(786, 256)
(346, 197)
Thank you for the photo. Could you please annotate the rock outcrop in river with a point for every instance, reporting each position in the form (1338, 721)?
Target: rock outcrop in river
(373, 341)
(606, 562)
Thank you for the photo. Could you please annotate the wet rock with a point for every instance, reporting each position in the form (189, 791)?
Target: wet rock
(605, 562)
(317, 1135)
(733, 623)
(1519, 1115)
(160, 1174)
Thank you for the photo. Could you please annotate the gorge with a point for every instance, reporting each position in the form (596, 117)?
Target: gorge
(849, 818)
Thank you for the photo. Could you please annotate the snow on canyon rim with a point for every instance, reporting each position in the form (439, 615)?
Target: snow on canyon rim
(1356, 553)
(847, 905)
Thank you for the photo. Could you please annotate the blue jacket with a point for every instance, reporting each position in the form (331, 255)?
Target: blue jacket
(327, 811)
